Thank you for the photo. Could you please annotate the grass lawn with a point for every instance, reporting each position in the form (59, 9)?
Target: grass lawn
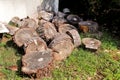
(82, 64)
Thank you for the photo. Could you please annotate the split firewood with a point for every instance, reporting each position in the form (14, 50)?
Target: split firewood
(24, 36)
(62, 46)
(47, 31)
(75, 37)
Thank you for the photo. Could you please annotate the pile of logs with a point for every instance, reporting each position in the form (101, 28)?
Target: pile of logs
(45, 41)
(51, 38)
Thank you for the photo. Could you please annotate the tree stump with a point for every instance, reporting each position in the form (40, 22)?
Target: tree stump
(37, 61)
(47, 31)
(62, 46)
(24, 36)
(38, 45)
(75, 37)
(65, 27)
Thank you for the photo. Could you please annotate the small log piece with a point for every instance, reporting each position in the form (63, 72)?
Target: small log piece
(75, 37)
(37, 61)
(24, 36)
(62, 46)
(47, 31)
(91, 43)
(38, 45)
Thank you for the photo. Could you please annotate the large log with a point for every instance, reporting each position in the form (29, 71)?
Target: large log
(89, 26)
(58, 21)
(47, 31)
(24, 36)
(75, 37)
(65, 27)
(27, 22)
(38, 45)
(37, 61)
(62, 46)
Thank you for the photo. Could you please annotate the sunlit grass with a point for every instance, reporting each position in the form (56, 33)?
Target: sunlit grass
(82, 64)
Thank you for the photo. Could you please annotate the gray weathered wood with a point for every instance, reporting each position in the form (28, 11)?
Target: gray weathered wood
(62, 46)
(36, 61)
(24, 36)
(37, 45)
(75, 37)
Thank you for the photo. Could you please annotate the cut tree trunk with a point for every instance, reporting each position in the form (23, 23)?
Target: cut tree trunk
(47, 31)
(62, 46)
(28, 22)
(65, 27)
(38, 45)
(75, 37)
(24, 36)
(36, 61)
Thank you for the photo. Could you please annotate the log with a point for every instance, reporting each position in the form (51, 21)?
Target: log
(58, 21)
(89, 26)
(12, 29)
(65, 27)
(24, 36)
(91, 43)
(47, 31)
(38, 45)
(75, 37)
(37, 61)
(28, 23)
(62, 46)
(73, 19)
(45, 15)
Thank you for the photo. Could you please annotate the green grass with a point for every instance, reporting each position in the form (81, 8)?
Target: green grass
(82, 64)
